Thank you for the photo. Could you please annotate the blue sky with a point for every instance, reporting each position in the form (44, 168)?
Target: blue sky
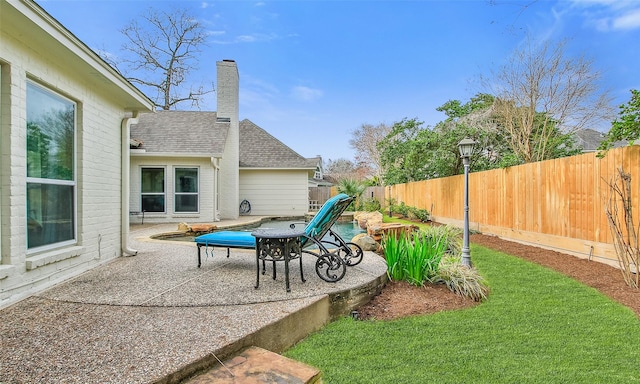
(311, 72)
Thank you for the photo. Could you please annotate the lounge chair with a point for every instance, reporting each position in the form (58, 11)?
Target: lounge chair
(333, 254)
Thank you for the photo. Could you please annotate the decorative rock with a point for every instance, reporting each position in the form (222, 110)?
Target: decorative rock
(198, 229)
(183, 227)
(368, 218)
(366, 242)
(387, 229)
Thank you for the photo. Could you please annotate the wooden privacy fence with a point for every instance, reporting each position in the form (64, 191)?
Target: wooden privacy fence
(558, 204)
(322, 194)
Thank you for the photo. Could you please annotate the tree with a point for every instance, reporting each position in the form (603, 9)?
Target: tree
(364, 141)
(341, 169)
(411, 152)
(541, 94)
(403, 151)
(163, 50)
(626, 126)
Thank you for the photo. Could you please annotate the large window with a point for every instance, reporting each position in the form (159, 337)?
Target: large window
(186, 190)
(153, 196)
(51, 185)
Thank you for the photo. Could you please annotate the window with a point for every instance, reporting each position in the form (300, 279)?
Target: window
(51, 185)
(153, 197)
(186, 190)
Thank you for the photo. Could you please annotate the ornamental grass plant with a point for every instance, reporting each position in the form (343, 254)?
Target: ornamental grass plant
(413, 257)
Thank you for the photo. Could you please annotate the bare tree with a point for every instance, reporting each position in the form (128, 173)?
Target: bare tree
(625, 231)
(541, 93)
(364, 141)
(341, 169)
(163, 51)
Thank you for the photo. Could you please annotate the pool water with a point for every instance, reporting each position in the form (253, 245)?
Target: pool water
(345, 230)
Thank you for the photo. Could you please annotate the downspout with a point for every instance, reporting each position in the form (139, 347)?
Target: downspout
(126, 153)
(215, 162)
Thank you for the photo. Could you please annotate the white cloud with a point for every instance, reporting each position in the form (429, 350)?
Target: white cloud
(306, 93)
(630, 20)
(609, 15)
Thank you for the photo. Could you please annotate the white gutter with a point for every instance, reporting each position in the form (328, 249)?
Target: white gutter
(126, 137)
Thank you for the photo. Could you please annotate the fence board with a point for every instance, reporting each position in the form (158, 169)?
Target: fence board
(561, 201)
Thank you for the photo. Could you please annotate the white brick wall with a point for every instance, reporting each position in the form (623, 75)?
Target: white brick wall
(98, 169)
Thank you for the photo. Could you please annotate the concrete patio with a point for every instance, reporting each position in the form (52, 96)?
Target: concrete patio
(157, 318)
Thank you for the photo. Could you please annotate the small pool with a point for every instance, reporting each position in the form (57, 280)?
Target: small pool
(346, 230)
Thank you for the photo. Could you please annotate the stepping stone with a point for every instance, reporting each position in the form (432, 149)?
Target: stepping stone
(255, 365)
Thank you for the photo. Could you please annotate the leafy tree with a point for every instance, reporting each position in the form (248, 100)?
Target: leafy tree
(542, 95)
(163, 50)
(403, 152)
(626, 126)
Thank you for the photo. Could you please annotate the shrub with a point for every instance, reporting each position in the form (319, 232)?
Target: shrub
(420, 214)
(461, 279)
(402, 209)
(371, 205)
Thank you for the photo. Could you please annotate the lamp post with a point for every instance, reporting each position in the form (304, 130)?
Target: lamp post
(466, 149)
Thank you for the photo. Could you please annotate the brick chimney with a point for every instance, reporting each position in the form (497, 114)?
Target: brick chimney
(227, 118)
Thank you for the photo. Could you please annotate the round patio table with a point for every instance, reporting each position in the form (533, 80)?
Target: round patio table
(278, 245)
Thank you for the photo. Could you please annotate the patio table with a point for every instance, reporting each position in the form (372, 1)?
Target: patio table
(278, 245)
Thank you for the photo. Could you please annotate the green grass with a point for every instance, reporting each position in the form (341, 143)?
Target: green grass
(537, 326)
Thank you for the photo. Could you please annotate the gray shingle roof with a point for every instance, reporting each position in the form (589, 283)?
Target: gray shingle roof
(190, 132)
(180, 132)
(261, 150)
(589, 140)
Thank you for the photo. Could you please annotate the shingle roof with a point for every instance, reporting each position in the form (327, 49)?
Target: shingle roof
(191, 132)
(261, 150)
(180, 132)
(589, 140)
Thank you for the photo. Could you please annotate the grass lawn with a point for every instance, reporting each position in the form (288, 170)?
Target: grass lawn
(537, 326)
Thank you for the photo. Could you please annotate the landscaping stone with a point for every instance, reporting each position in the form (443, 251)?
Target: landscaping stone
(366, 242)
(200, 229)
(387, 229)
(366, 219)
(255, 366)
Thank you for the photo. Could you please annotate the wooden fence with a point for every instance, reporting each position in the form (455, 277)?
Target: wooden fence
(558, 204)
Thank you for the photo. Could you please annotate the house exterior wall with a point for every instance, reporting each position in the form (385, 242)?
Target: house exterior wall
(206, 189)
(275, 192)
(97, 168)
(31, 54)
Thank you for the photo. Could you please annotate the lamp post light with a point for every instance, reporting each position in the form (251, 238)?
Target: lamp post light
(466, 149)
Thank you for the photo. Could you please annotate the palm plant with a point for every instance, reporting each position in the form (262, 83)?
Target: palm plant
(352, 187)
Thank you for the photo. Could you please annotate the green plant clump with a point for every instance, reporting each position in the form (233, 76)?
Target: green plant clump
(371, 205)
(461, 279)
(414, 257)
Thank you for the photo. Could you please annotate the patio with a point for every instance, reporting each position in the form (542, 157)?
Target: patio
(156, 317)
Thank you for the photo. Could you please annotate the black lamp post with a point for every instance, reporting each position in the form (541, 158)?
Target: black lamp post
(466, 149)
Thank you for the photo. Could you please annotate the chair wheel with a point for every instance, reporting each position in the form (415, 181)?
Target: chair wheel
(352, 255)
(330, 267)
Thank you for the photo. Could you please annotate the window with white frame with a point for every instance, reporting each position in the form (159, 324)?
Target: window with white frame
(51, 182)
(153, 190)
(186, 190)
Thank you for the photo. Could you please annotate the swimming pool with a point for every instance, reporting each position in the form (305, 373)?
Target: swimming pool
(346, 230)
